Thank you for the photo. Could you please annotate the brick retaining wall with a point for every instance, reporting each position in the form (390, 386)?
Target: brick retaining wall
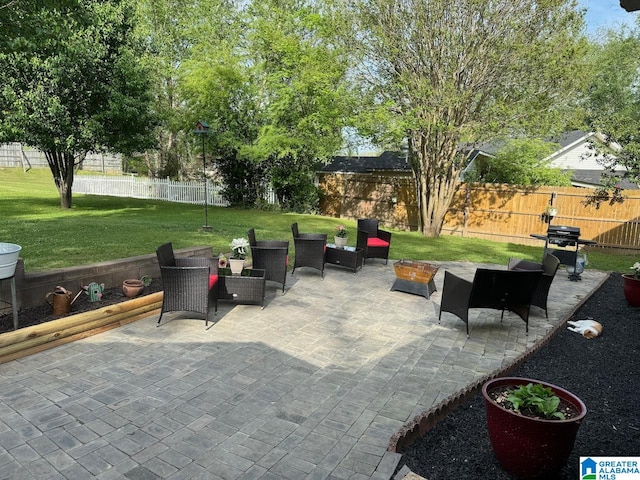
(33, 286)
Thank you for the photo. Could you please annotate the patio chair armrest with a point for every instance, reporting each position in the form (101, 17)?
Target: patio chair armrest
(384, 235)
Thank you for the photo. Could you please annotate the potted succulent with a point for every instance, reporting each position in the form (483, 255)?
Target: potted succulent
(341, 236)
(631, 285)
(532, 425)
(239, 251)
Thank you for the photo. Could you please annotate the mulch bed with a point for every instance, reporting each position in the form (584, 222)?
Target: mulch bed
(44, 313)
(603, 372)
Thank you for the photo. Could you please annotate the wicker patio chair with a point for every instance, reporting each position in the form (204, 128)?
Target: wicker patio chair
(549, 267)
(374, 242)
(272, 256)
(310, 249)
(497, 289)
(189, 284)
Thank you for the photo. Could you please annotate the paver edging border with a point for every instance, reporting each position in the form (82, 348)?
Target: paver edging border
(36, 338)
(422, 423)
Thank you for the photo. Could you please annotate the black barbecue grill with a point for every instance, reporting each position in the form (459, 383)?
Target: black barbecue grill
(568, 241)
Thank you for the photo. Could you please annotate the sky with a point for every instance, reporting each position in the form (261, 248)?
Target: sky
(605, 14)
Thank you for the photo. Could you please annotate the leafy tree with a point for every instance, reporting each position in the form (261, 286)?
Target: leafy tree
(216, 85)
(303, 95)
(521, 162)
(446, 75)
(613, 102)
(71, 83)
(273, 90)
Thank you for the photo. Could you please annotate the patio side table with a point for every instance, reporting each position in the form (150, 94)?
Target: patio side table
(348, 257)
(246, 288)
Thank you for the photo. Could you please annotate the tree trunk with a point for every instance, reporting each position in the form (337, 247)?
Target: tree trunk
(436, 174)
(61, 165)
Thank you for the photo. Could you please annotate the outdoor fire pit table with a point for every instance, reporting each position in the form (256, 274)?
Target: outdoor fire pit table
(413, 276)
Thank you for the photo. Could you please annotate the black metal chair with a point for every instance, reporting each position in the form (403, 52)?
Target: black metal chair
(310, 249)
(374, 242)
(189, 284)
(272, 256)
(511, 290)
(549, 267)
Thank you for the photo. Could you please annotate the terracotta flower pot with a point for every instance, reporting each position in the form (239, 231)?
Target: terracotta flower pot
(529, 447)
(631, 290)
(132, 288)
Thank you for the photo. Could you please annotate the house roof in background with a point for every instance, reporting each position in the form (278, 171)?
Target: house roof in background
(386, 161)
(591, 178)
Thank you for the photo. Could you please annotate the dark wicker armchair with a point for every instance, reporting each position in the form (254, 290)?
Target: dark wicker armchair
(272, 256)
(310, 248)
(498, 289)
(374, 242)
(549, 267)
(189, 284)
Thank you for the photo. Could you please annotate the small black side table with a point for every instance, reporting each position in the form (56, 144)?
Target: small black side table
(348, 257)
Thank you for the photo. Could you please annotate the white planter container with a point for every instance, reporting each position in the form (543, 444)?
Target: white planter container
(340, 242)
(9, 253)
(236, 266)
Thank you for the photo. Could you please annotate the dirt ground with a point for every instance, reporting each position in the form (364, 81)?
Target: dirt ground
(44, 313)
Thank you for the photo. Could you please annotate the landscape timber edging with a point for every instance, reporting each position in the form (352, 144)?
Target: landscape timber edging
(36, 338)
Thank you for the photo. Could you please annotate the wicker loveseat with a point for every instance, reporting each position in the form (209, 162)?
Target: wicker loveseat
(511, 290)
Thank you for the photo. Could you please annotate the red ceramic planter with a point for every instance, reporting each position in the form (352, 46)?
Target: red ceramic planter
(631, 290)
(526, 447)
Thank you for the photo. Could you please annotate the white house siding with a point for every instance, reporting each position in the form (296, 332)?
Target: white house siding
(575, 157)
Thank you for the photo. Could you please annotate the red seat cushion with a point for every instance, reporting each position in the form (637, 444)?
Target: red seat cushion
(376, 242)
(213, 279)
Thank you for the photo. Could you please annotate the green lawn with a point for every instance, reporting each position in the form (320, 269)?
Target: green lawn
(104, 228)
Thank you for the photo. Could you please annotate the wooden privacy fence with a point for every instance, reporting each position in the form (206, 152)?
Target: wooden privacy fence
(495, 212)
(506, 213)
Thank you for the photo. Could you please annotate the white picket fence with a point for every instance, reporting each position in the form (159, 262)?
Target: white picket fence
(153, 189)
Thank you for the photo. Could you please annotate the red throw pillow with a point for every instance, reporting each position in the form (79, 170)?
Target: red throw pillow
(213, 279)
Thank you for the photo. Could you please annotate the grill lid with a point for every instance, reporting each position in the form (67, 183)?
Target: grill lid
(562, 235)
(569, 233)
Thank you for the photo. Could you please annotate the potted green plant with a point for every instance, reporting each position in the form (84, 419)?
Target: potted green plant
(239, 251)
(532, 425)
(631, 286)
(341, 236)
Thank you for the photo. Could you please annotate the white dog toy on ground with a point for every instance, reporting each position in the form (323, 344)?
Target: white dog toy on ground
(587, 328)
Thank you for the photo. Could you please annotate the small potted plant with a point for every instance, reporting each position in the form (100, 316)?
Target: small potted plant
(631, 285)
(341, 236)
(239, 251)
(532, 425)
